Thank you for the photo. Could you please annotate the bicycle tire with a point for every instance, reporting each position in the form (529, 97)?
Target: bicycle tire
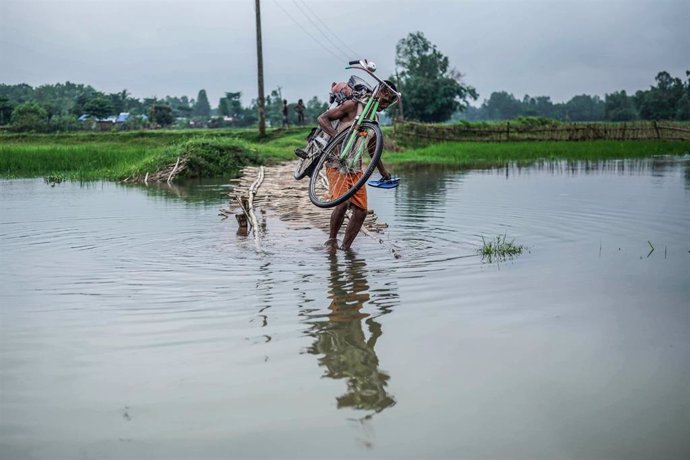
(305, 166)
(320, 189)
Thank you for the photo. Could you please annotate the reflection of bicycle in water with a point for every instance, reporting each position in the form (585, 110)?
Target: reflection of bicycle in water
(345, 152)
(342, 343)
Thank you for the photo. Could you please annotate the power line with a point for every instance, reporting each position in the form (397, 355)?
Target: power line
(335, 47)
(338, 58)
(321, 31)
(312, 12)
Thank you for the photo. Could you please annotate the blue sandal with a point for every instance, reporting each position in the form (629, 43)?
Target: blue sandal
(392, 182)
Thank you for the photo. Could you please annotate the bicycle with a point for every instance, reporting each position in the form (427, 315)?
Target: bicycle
(340, 168)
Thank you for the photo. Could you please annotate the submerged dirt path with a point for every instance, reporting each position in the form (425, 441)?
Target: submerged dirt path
(289, 199)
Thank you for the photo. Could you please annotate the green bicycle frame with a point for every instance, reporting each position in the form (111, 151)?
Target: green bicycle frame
(368, 114)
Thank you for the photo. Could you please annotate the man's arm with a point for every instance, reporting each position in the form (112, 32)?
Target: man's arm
(371, 147)
(339, 112)
(384, 172)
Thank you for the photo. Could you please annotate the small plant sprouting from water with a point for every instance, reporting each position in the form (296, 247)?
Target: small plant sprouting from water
(53, 179)
(500, 248)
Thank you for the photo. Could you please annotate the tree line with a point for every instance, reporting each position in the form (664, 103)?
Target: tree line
(433, 91)
(668, 99)
(61, 106)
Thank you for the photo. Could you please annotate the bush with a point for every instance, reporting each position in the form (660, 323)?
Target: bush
(64, 123)
(216, 156)
(135, 122)
(29, 116)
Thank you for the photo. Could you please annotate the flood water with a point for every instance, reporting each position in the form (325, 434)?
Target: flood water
(135, 323)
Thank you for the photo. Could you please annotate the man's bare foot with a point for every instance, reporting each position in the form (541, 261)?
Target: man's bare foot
(331, 245)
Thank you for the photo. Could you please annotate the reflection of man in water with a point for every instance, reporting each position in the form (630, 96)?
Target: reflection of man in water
(346, 352)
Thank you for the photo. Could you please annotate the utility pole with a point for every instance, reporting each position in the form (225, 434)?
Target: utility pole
(401, 114)
(260, 71)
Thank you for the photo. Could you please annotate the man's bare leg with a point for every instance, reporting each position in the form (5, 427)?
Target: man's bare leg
(353, 227)
(337, 218)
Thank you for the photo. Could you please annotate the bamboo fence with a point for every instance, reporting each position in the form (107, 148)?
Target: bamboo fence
(639, 130)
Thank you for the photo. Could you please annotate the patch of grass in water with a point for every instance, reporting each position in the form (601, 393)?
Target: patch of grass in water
(500, 248)
(53, 179)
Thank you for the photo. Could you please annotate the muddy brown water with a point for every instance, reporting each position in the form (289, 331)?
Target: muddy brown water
(135, 323)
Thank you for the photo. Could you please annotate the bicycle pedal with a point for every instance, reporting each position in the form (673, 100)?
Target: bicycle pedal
(301, 153)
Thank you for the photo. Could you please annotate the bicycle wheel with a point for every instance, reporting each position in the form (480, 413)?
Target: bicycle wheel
(343, 169)
(305, 166)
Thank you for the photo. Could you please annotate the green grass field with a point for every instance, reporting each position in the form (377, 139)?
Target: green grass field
(486, 155)
(220, 153)
(116, 155)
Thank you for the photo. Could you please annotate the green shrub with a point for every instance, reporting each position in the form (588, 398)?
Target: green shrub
(29, 116)
(64, 123)
(216, 156)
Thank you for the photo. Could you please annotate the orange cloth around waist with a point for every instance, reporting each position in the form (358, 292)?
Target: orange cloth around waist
(339, 183)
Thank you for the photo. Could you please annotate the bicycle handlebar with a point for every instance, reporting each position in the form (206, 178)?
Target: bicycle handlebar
(361, 65)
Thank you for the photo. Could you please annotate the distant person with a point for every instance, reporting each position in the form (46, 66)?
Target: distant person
(285, 114)
(300, 112)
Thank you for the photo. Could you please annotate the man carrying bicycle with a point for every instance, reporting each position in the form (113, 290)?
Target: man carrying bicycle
(332, 122)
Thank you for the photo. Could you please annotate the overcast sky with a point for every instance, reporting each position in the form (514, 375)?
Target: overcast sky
(557, 48)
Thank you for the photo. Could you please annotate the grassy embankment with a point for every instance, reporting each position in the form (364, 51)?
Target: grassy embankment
(117, 155)
(487, 155)
(218, 153)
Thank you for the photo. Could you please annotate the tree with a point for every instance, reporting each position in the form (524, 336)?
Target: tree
(502, 106)
(234, 104)
(202, 108)
(147, 104)
(161, 114)
(223, 107)
(78, 107)
(660, 101)
(180, 106)
(274, 109)
(17, 94)
(64, 123)
(432, 91)
(619, 107)
(99, 106)
(584, 108)
(540, 106)
(29, 116)
(119, 101)
(683, 106)
(231, 106)
(314, 108)
(6, 108)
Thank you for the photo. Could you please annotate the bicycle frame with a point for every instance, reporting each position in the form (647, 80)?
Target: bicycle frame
(368, 113)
